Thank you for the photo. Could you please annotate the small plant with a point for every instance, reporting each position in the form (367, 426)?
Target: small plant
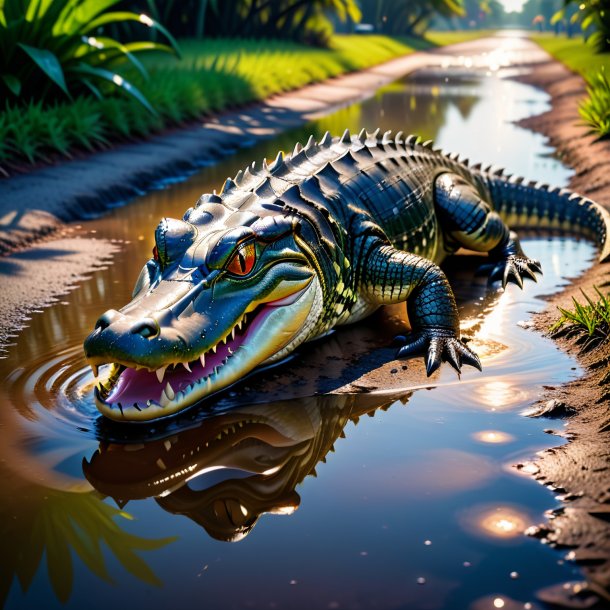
(590, 322)
(595, 110)
(56, 49)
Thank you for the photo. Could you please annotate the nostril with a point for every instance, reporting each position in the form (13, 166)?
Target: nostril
(102, 324)
(147, 328)
(106, 319)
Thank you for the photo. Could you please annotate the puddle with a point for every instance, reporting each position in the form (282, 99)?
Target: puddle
(415, 506)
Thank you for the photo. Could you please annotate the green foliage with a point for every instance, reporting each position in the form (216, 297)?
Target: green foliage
(53, 49)
(296, 20)
(594, 19)
(61, 526)
(594, 67)
(595, 110)
(590, 322)
(213, 75)
(398, 17)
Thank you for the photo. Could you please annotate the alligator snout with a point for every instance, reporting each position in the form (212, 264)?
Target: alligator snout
(146, 327)
(116, 334)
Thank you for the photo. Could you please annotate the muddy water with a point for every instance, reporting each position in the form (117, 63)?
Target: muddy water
(416, 506)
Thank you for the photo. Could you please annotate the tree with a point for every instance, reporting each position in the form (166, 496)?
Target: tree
(407, 16)
(594, 19)
(300, 20)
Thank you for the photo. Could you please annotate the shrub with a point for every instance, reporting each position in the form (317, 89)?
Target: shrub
(53, 49)
(590, 322)
(595, 110)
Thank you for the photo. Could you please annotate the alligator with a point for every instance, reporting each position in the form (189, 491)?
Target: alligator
(322, 237)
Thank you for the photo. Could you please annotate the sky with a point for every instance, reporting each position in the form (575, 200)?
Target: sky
(512, 5)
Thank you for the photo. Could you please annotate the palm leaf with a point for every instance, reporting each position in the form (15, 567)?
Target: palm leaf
(48, 63)
(116, 79)
(123, 16)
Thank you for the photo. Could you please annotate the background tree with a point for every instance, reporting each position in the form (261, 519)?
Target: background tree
(298, 20)
(593, 16)
(407, 17)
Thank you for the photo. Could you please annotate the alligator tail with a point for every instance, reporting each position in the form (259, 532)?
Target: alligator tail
(527, 205)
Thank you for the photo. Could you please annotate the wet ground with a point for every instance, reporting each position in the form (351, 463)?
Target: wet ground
(418, 507)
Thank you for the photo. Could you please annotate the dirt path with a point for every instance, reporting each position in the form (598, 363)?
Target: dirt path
(580, 469)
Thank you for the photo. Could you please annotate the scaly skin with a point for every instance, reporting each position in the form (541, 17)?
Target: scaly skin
(286, 253)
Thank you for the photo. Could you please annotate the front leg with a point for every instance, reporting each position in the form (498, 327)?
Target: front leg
(393, 276)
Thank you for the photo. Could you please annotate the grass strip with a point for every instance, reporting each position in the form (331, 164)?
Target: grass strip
(213, 75)
(588, 322)
(594, 68)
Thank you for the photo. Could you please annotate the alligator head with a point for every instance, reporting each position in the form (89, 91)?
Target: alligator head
(224, 293)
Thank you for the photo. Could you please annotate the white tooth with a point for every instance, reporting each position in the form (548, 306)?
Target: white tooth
(94, 369)
(169, 391)
(233, 333)
(230, 351)
(164, 401)
(215, 370)
(202, 360)
(160, 373)
(187, 367)
(240, 323)
(149, 403)
(214, 348)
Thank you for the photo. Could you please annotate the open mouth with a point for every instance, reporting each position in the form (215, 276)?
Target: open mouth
(138, 393)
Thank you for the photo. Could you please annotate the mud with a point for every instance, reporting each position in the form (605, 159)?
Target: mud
(580, 469)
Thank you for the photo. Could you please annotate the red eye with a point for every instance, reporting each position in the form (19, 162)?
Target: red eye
(243, 260)
(155, 253)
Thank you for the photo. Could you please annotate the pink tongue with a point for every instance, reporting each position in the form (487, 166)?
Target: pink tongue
(140, 386)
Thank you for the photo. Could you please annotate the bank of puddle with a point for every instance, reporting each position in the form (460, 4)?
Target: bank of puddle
(343, 478)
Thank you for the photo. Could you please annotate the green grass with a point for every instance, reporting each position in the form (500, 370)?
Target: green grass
(589, 322)
(594, 68)
(441, 39)
(213, 75)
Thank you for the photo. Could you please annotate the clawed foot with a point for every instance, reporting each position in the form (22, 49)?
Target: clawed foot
(439, 346)
(513, 269)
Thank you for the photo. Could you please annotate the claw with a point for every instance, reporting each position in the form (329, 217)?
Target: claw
(514, 269)
(511, 274)
(433, 360)
(438, 346)
(453, 357)
(469, 357)
(529, 273)
(418, 346)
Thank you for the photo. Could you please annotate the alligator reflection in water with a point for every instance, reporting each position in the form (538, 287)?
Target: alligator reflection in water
(234, 467)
